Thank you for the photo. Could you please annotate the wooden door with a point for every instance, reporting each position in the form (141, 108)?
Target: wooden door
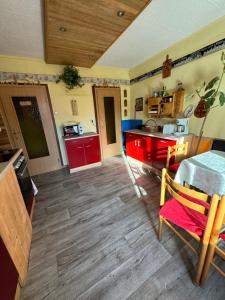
(109, 120)
(28, 116)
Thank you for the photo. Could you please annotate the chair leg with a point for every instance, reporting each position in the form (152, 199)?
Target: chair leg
(207, 264)
(201, 263)
(160, 227)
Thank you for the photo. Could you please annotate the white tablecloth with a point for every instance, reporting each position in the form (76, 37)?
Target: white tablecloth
(205, 171)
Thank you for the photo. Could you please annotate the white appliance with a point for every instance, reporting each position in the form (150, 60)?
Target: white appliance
(182, 126)
(169, 128)
(80, 129)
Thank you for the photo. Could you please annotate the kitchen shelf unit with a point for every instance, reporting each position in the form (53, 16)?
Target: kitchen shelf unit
(166, 106)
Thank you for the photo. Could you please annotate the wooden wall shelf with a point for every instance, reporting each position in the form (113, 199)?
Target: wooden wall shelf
(166, 106)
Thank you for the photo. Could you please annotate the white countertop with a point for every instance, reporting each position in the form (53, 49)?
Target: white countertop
(158, 134)
(87, 134)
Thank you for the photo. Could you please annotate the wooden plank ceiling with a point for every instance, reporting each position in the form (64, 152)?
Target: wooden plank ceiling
(78, 32)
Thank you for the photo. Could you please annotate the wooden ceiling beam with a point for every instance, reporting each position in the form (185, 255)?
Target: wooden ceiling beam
(78, 32)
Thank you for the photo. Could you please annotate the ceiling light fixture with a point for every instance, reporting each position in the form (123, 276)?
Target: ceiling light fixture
(120, 13)
(62, 29)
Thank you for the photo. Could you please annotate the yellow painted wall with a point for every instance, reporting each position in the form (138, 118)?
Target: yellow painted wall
(61, 97)
(191, 74)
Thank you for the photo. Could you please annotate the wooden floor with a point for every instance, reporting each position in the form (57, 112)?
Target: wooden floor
(94, 237)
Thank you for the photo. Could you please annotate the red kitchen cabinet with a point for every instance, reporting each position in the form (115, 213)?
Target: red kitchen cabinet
(92, 150)
(9, 276)
(131, 145)
(150, 150)
(82, 151)
(75, 153)
(136, 146)
(141, 148)
(159, 151)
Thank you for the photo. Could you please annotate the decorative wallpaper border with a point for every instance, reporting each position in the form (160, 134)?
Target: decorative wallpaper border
(217, 46)
(37, 78)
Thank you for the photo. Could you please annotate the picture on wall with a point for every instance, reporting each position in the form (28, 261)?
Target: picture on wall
(139, 104)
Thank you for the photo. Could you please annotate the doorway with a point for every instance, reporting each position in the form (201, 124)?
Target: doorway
(109, 120)
(28, 117)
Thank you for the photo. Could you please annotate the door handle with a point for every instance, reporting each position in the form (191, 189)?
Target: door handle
(88, 146)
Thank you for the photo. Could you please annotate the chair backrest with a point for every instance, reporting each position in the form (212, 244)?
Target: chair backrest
(219, 222)
(194, 200)
(218, 144)
(178, 149)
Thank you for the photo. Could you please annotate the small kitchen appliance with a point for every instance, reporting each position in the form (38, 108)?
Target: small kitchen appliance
(182, 126)
(71, 129)
(169, 128)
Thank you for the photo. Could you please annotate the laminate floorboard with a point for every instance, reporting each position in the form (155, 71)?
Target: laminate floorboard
(95, 237)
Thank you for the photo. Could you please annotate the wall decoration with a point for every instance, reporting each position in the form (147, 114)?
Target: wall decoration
(217, 46)
(125, 112)
(125, 93)
(29, 78)
(167, 66)
(74, 107)
(139, 104)
(125, 102)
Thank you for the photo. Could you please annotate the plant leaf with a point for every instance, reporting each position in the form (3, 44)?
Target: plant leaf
(209, 94)
(207, 105)
(222, 98)
(211, 83)
(210, 101)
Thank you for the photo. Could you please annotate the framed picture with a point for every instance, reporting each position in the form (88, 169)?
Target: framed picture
(139, 104)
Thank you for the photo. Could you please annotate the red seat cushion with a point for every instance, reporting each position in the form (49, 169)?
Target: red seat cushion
(185, 217)
(222, 235)
(174, 167)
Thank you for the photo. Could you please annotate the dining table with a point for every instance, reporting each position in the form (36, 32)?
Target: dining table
(204, 171)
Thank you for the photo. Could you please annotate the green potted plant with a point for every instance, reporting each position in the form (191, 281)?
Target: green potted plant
(71, 77)
(209, 94)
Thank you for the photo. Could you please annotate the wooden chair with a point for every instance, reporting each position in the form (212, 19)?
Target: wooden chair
(216, 239)
(178, 149)
(190, 211)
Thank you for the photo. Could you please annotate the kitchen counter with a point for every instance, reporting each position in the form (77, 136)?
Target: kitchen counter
(158, 134)
(4, 165)
(87, 134)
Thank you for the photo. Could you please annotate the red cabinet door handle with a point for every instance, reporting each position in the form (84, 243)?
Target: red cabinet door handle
(88, 146)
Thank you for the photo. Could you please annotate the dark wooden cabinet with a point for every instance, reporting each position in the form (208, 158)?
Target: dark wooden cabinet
(150, 150)
(83, 151)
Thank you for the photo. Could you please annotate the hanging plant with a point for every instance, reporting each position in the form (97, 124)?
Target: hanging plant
(70, 77)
